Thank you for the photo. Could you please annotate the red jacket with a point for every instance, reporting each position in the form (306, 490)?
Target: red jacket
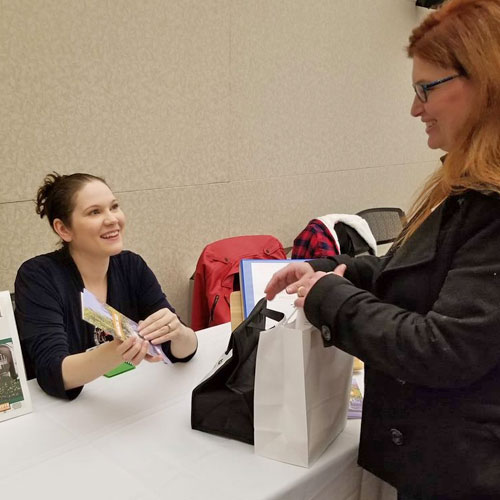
(217, 273)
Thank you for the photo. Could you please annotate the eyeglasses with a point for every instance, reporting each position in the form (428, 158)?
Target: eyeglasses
(422, 89)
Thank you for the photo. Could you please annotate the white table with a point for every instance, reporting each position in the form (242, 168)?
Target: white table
(129, 437)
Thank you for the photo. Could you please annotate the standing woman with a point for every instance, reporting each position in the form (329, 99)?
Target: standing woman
(425, 318)
(84, 213)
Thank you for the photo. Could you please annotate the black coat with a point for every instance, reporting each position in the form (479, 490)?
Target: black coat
(425, 319)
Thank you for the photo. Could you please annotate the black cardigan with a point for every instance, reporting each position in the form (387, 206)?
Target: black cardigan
(426, 322)
(48, 310)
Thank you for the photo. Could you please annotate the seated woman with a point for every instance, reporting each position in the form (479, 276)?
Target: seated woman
(56, 342)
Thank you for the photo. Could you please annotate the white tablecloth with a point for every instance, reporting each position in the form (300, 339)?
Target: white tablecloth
(129, 437)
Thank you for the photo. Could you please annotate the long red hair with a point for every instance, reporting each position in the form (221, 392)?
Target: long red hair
(464, 35)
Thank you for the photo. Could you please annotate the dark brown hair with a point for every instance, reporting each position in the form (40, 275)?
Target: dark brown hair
(55, 198)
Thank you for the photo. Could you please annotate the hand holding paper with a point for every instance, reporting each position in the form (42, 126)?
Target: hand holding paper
(115, 323)
(285, 277)
(161, 326)
(298, 278)
(134, 350)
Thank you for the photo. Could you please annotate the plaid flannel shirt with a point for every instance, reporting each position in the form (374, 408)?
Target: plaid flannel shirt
(315, 241)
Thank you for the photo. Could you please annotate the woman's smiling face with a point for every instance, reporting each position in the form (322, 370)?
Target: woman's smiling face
(97, 222)
(448, 107)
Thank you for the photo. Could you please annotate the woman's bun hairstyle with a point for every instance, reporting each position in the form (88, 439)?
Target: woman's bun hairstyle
(43, 195)
(55, 198)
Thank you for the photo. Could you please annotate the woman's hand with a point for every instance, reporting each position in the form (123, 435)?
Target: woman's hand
(164, 325)
(80, 369)
(304, 285)
(132, 350)
(161, 326)
(287, 277)
(299, 278)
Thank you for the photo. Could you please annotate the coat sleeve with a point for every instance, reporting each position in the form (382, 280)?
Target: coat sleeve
(361, 271)
(40, 321)
(453, 345)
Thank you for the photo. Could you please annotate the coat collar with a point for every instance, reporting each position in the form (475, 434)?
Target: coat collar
(422, 245)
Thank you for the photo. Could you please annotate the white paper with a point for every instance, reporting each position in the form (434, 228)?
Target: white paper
(262, 272)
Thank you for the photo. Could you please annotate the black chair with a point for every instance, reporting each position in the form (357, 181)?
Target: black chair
(385, 223)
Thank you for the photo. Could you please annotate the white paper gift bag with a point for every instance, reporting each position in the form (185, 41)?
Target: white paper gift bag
(301, 392)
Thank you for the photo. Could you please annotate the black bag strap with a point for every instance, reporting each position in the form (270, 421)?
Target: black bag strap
(261, 309)
(254, 320)
(271, 313)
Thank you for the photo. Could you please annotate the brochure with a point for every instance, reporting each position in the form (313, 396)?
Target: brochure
(355, 400)
(15, 399)
(113, 322)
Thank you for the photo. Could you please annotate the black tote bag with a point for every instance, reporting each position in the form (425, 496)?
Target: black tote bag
(222, 404)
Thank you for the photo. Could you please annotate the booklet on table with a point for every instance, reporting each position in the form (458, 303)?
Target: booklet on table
(15, 398)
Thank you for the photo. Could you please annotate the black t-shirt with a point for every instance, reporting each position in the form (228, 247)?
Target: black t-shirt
(48, 310)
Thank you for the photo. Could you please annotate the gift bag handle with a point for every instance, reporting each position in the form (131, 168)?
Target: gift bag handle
(298, 316)
(301, 321)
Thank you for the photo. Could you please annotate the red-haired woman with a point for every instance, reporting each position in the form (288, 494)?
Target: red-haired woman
(57, 344)
(425, 318)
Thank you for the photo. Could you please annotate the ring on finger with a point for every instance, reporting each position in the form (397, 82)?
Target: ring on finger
(168, 328)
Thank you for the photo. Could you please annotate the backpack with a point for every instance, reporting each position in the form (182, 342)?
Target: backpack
(217, 275)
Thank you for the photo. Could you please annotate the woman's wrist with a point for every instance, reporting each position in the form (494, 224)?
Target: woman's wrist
(109, 352)
(185, 344)
(80, 369)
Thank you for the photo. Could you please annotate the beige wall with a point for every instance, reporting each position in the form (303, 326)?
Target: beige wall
(209, 118)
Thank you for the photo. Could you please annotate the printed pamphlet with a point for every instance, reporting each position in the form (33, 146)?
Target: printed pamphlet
(355, 400)
(113, 322)
(14, 394)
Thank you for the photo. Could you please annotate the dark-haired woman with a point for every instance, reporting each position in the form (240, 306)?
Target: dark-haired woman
(425, 318)
(58, 346)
